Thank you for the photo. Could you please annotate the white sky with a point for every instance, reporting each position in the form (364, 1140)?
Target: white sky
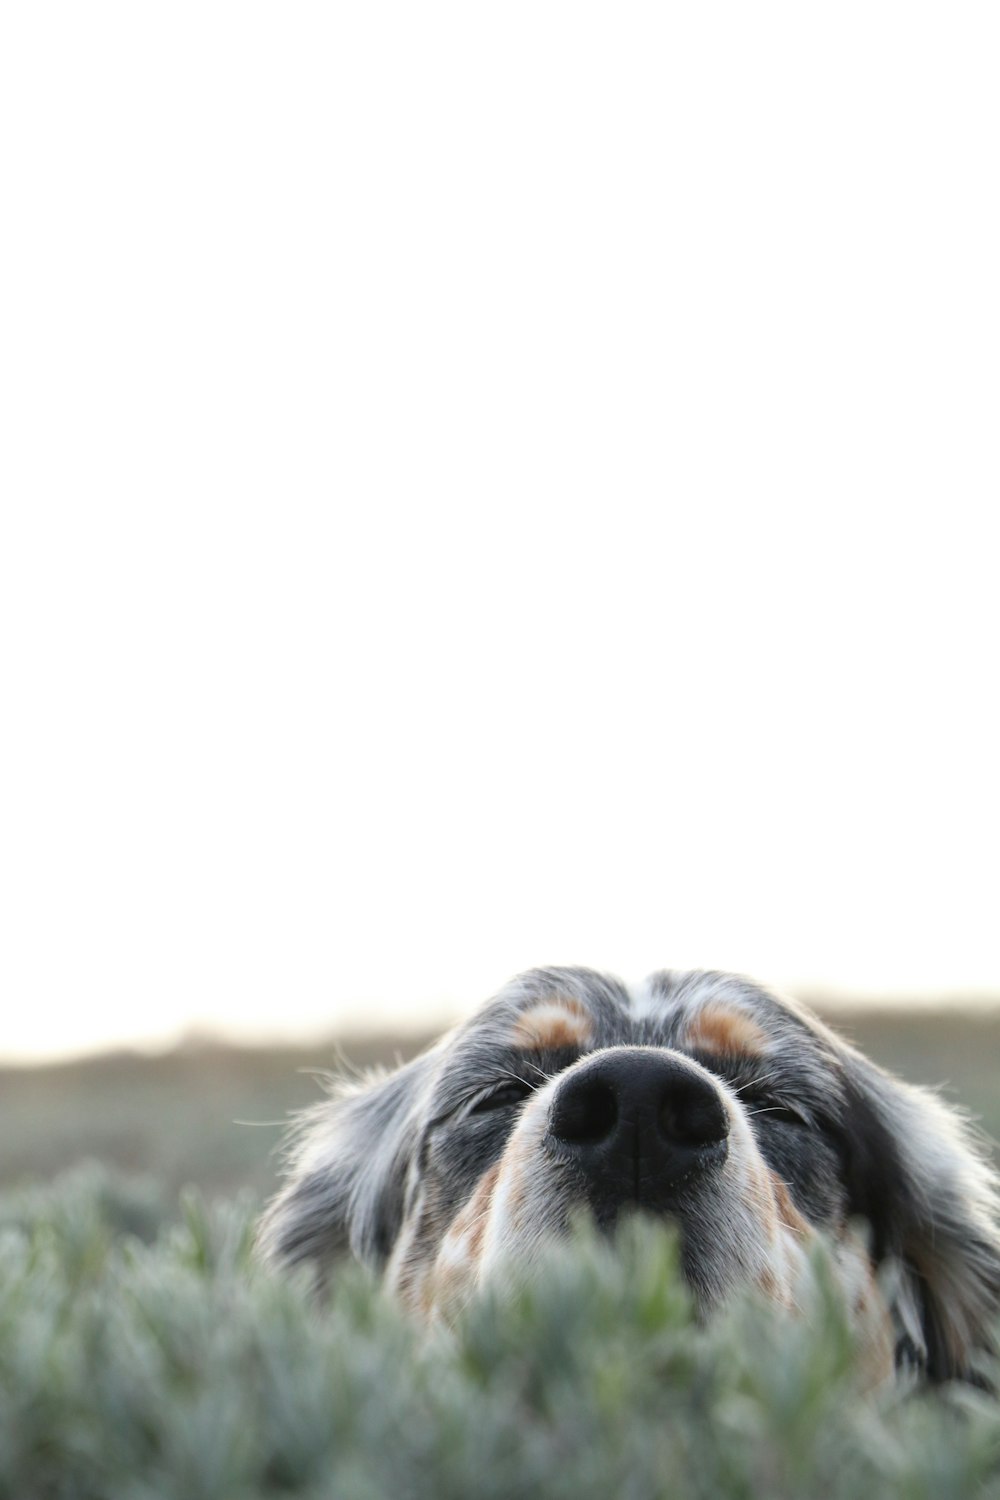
(486, 485)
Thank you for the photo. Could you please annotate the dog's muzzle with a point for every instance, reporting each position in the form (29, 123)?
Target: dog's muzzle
(636, 1125)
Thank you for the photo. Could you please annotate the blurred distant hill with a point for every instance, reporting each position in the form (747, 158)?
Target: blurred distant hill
(214, 1115)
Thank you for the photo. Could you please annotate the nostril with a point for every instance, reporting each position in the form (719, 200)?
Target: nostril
(585, 1113)
(692, 1118)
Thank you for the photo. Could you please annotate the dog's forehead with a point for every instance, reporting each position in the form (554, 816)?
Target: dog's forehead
(546, 1019)
(556, 1009)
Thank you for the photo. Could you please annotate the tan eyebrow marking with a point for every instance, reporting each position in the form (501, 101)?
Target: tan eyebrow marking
(560, 1022)
(719, 1029)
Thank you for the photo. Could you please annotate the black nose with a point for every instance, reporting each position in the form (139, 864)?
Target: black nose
(637, 1122)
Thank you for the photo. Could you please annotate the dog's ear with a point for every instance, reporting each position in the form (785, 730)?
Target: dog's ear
(918, 1176)
(347, 1173)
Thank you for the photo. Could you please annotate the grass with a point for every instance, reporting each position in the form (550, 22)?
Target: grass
(143, 1355)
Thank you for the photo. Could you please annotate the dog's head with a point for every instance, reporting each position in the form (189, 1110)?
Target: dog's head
(699, 1097)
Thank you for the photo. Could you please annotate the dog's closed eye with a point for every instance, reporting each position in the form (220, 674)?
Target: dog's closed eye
(503, 1096)
(776, 1111)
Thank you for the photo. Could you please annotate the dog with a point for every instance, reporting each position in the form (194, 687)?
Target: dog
(699, 1097)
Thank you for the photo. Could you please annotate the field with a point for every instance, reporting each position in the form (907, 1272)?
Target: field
(144, 1357)
(213, 1116)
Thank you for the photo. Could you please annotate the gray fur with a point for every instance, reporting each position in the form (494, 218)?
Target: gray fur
(392, 1160)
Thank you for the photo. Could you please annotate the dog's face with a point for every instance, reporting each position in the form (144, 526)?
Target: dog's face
(698, 1097)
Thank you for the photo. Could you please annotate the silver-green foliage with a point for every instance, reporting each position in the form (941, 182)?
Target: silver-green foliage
(148, 1359)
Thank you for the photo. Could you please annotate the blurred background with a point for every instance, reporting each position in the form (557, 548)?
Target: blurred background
(485, 487)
